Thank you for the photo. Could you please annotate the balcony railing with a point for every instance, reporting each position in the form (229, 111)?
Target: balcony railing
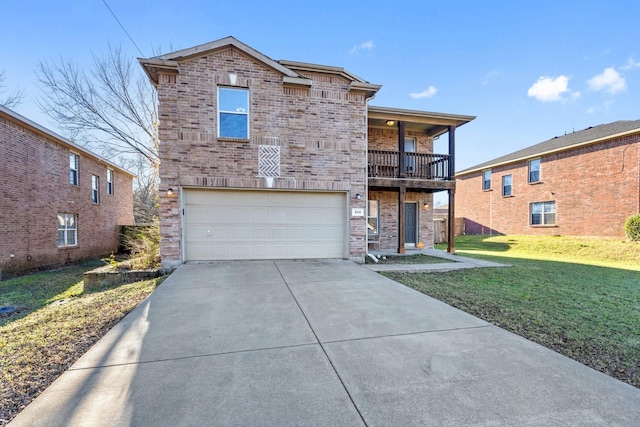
(390, 164)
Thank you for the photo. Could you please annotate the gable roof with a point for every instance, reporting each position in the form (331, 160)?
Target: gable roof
(588, 136)
(170, 62)
(356, 82)
(41, 130)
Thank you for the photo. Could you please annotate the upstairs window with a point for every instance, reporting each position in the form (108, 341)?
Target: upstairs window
(486, 180)
(109, 181)
(233, 113)
(74, 161)
(67, 230)
(506, 185)
(534, 170)
(373, 218)
(543, 213)
(95, 189)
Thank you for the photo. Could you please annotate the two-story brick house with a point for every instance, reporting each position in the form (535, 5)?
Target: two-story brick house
(585, 183)
(59, 202)
(265, 159)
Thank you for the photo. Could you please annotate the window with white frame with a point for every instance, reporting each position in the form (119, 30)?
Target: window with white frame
(109, 181)
(67, 230)
(543, 213)
(506, 185)
(373, 217)
(95, 189)
(233, 113)
(74, 163)
(534, 170)
(486, 180)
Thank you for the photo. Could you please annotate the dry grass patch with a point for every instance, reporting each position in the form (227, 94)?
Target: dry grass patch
(58, 324)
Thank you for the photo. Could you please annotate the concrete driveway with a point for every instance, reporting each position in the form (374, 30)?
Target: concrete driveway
(327, 343)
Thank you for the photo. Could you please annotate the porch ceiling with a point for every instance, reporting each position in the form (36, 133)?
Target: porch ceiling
(433, 124)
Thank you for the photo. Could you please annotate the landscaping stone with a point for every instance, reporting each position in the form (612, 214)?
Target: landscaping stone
(108, 276)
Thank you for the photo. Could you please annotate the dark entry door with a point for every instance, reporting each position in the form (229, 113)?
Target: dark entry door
(410, 223)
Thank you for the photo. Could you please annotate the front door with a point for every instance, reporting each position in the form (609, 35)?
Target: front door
(410, 223)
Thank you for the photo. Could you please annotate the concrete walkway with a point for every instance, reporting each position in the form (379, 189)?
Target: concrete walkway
(325, 343)
(449, 262)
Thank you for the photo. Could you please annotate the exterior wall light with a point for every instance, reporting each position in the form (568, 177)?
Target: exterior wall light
(425, 206)
(390, 122)
(359, 196)
(170, 192)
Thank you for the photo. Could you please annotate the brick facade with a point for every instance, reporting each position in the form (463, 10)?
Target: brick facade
(35, 188)
(387, 139)
(321, 132)
(388, 217)
(316, 117)
(595, 188)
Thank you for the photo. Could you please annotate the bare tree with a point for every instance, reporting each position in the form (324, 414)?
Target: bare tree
(13, 98)
(112, 106)
(146, 197)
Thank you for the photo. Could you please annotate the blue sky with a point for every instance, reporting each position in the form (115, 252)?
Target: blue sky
(529, 70)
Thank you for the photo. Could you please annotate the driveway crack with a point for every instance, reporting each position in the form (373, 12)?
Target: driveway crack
(344, 386)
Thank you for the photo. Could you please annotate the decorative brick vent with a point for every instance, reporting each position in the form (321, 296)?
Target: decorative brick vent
(268, 161)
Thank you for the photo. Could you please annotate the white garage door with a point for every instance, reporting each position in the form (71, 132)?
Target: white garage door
(234, 224)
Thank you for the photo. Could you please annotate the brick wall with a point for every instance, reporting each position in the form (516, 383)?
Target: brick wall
(387, 139)
(388, 219)
(35, 188)
(595, 187)
(321, 132)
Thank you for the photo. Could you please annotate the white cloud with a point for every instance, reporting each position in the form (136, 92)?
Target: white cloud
(427, 93)
(609, 81)
(368, 45)
(549, 89)
(630, 64)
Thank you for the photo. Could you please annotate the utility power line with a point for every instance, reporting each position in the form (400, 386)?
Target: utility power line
(122, 26)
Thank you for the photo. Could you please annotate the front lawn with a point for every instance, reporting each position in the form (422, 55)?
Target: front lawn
(53, 324)
(580, 297)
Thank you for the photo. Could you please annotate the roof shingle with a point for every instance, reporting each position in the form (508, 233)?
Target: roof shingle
(560, 143)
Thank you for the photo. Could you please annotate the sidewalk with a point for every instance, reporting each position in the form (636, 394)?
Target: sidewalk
(450, 262)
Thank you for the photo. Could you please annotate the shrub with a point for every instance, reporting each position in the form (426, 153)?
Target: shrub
(632, 227)
(143, 243)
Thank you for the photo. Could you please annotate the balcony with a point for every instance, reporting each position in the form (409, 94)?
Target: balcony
(413, 170)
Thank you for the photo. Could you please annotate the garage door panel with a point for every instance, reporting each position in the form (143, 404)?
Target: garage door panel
(200, 214)
(278, 215)
(260, 215)
(328, 234)
(251, 224)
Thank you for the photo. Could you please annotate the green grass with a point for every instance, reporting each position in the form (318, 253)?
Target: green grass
(36, 290)
(580, 297)
(57, 323)
(579, 250)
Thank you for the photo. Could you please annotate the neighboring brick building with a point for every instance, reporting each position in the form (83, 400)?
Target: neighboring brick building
(585, 183)
(59, 202)
(264, 159)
